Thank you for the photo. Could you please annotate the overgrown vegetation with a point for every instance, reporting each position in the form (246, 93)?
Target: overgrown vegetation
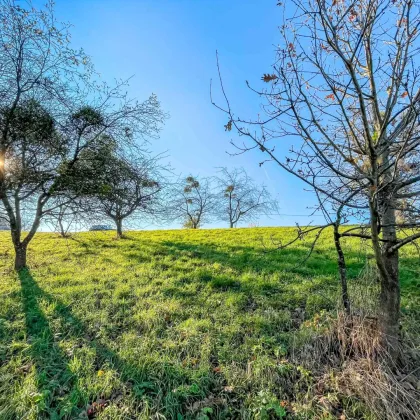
(186, 324)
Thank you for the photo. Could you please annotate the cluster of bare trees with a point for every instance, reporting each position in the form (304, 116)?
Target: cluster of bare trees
(74, 150)
(231, 197)
(138, 189)
(64, 138)
(345, 86)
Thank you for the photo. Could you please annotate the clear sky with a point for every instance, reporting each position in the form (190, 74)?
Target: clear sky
(169, 47)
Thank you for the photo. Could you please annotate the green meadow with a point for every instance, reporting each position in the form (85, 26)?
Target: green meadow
(183, 324)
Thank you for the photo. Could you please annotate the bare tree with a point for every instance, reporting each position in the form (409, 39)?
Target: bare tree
(45, 118)
(65, 213)
(240, 198)
(345, 86)
(193, 202)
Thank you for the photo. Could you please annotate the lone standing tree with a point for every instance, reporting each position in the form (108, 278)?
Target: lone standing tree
(193, 202)
(122, 186)
(345, 85)
(240, 198)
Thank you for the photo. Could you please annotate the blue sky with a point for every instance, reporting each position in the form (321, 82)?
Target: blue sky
(169, 47)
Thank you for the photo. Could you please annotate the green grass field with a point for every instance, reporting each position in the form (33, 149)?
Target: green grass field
(166, 324)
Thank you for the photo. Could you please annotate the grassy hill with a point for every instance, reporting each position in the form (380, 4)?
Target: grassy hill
(181, 324)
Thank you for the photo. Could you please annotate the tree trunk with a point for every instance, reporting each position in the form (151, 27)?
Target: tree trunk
(389, 298)
(342, 270)
(231, 225)
(20, 256)
(119, 228)
(389, 301)
(62, 231)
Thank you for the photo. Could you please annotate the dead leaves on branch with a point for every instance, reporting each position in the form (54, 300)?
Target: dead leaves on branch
(267, 78)
(353, 15)
(228, 126)
(325, 47)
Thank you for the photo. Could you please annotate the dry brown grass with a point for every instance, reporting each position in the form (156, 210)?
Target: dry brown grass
(348, 362)
(389, 395)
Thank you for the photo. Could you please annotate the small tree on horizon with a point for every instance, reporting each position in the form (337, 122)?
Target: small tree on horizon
(64, 214)
(193, 202)
(128, 187)
(240, 198)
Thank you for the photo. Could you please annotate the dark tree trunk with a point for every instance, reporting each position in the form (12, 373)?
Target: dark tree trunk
(231, 225)
(119, 228)
(342, 270)
(62, 230)
(389, 298)
(20, 256)
(389, 301)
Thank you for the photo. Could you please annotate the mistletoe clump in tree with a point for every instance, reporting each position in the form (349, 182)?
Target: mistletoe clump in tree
(193, 202)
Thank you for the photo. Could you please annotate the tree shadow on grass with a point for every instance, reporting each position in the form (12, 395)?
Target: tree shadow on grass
(54, 380)
(272, 260)
(320, 268)
(59, 393)
(290, 265)
(244, 258)
(316, 276)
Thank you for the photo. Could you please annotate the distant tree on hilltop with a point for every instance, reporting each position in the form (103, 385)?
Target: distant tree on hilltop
(193, 202)
(240, 199)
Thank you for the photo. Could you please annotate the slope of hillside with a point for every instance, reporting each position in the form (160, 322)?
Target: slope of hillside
(185, 324)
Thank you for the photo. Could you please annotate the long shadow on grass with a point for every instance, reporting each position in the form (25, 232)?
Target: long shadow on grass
(321, 262)
(280, 275)
(319, 271)
(53, 375)
(54, 379)
(246, 259)
(242, 258)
